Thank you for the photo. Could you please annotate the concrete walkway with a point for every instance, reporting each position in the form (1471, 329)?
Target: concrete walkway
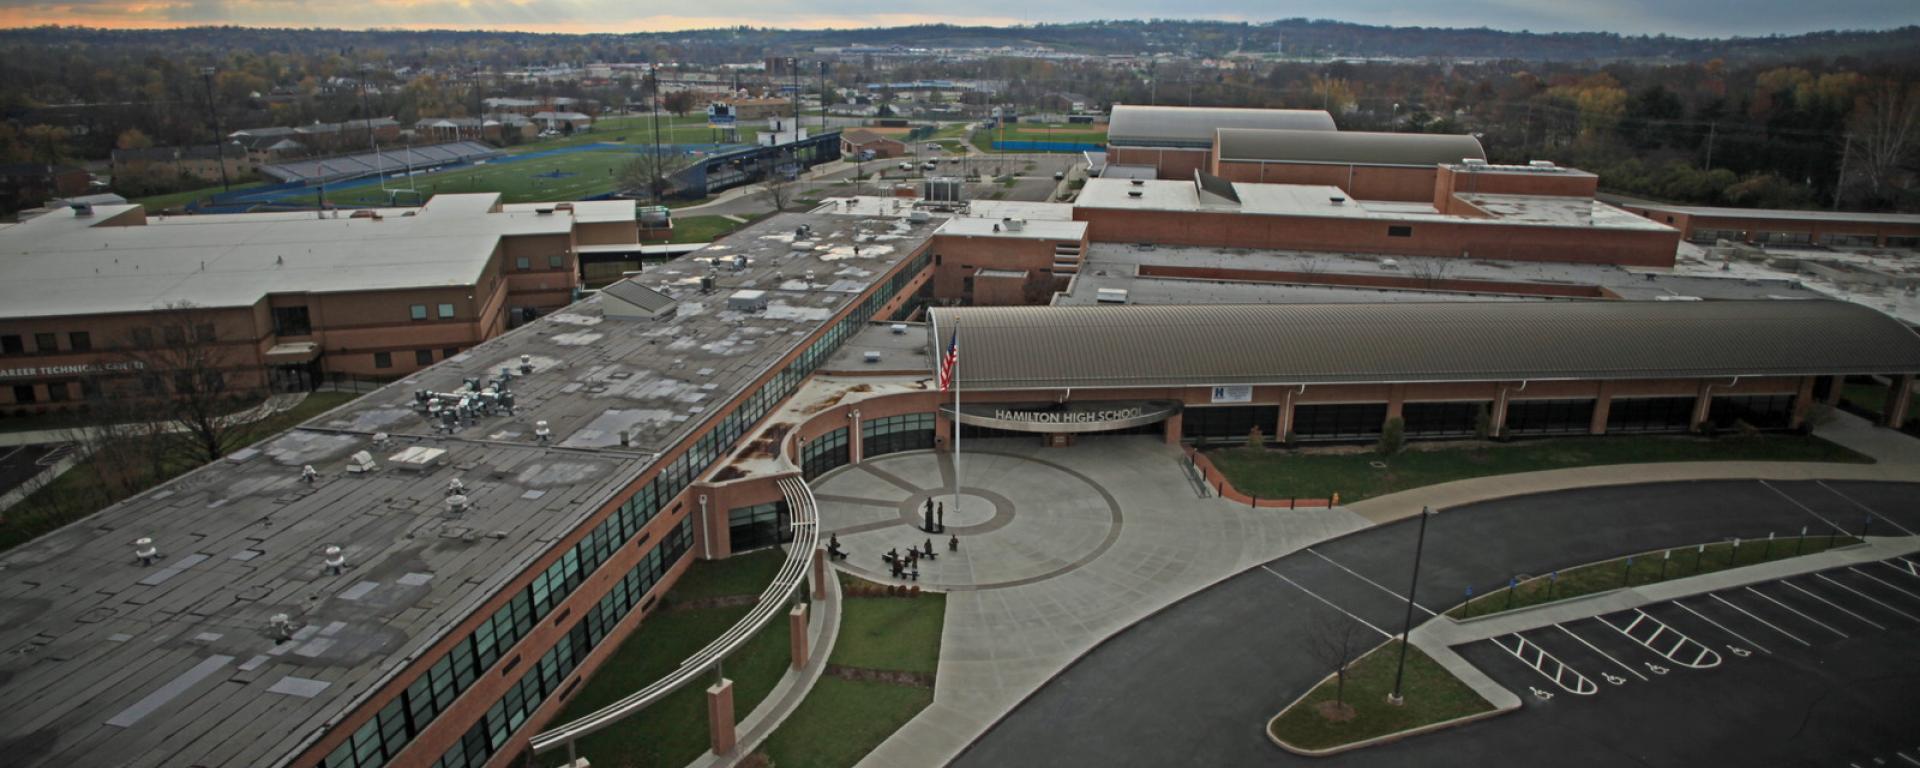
(1440, 635)
(1078, 545)
(1896, 454)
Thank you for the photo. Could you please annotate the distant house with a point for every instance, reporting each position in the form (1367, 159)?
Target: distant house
(565, 122)
(27, 185)
(856, 142)
(495, 128)
(202, 162)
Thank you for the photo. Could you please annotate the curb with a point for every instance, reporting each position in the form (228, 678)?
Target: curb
(1376, 740)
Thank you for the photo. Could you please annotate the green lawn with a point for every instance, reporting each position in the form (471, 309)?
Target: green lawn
(1431, 694)
(1643, 568)
(1872, 398)
(158, 203)
(1279, 474)
(673, 732)
(842, 720)
(83, 490)
(571, 176)
(703, 229)
(984, 138)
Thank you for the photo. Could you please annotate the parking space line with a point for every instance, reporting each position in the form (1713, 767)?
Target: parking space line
(1330, 604)
(1836, 606)
(1723, 628)
(1910, 761)
(1809, 510)
(1769, 624)
(1796, 612)
(1703, 657)
(1596, 649)
(1377, 585)
(1865, 508)
(1867, 597)
(1911, 569)
(1582, 685)
(1883, 582)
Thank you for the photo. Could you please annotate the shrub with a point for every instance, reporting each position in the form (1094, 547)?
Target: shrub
(1393, 437)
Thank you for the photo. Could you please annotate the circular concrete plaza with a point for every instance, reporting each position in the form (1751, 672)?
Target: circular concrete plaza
(1020, 519)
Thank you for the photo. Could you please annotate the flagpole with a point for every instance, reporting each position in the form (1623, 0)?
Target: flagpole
(956, 416)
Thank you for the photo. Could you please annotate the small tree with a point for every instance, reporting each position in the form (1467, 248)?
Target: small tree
(646, 174)
(779, 190)
(1482, 422)
(1393, 437)
(1333, 642)
(183, 365)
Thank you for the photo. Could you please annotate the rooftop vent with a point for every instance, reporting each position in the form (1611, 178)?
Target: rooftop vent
(543, 211)
(1110, 296)
(748, 300)
(871, 356)
(1014, 225)
(361, 463)
(457, 503)
(899, 329)
(336, 561)
(526, 364)
(1135, 194)
(82, 210)
(1389, 264)
(1337, 199)
(1138, 182)
(1472, 161)
(1542, 164)
(542, 432)
(143, 548)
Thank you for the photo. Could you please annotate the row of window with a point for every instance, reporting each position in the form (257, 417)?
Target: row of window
(761, 525)
(421, 357)
(419, 311)
(525, 263)
(46, 343)
(892, 434)
(553, 585)
(543, 679)
(824, 453)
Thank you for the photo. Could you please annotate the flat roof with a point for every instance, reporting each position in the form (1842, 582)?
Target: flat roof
(1027, 229)
(1141, 125)
(1086, 287)
(1347, 147)
(58, 264)
(1149, 346)
(172, 664)
(1319, 201)
(1771, 213)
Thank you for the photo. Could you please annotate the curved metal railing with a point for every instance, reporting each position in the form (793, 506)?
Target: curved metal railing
(805, 517)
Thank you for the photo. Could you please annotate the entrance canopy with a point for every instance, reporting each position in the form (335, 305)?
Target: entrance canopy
(1051, 418)
(293, 353)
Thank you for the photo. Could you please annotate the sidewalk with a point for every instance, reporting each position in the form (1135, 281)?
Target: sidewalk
(1441, 634)
(1897, 457)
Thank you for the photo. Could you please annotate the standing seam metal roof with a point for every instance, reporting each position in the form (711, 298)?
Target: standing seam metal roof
(1129, 346)
(1137, 125)
(1347, 147)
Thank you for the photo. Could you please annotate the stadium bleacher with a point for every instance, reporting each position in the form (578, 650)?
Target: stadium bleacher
(331, 169)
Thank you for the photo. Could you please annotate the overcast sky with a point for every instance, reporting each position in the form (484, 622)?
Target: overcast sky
(1691, 18)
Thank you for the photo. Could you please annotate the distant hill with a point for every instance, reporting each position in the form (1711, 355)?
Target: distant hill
(1300, 37)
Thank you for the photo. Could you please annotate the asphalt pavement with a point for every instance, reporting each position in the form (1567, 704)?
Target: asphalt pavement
(1196, 683)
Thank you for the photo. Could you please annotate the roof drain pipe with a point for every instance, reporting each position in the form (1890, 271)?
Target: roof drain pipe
(1286, 409)
(1707, 395)
(1500, 404)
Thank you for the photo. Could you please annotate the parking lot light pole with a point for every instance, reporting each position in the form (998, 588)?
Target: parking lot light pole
(1406, 627)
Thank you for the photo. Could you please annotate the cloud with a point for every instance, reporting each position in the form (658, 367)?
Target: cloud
(1693, 18)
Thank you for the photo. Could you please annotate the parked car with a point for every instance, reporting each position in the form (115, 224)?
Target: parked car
(1058, 175)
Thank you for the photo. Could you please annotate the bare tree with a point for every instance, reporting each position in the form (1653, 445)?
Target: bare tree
(646, 173)
(779, 190)
(1334, 641)
(1430, 271)
(1882, 134)
(183, 368)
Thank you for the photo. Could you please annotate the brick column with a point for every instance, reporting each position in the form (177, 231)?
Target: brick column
(1172, 428)
(1833, 390)
(943, 427)
(1284, 422)
(797, 634)
(856, 446)
(1802, 402)
(1899, 400)
(720, 717)
(1602, 405)
(819, 574)
(1396, 400)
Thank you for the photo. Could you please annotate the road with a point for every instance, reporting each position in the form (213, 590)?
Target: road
(1195, 684)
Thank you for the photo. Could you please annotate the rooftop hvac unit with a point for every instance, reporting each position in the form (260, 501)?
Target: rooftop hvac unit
(1472, 161)
(944, 189)
(1110, 296)
(899, 329)
(1542, 164)
(82, 209)
(919, 217)
(1389, 264)
(872, 356)
(1337, 200)
(543, 211)
(747, 300)
(1138, 182)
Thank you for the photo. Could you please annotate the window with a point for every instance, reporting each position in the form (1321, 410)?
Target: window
(824, 453)
(523, 263)
(46, 342)
(1228, 424)
(23, 393)
(1549, 417)
(383, 359)
(11, 344)
(417, 311)
(1352, 421)
(204, 332)
(175, 335)
(891, 434)
(80, 341)
(1399, 231)
(1757, 411)
(761, 525)
(1444, 419)
(446, 311)
(57, 392)
(1902, 241)
(555, 261)
(1650, 414)
(292, 321)
(449, 352)
(143, 337)
(423, 357)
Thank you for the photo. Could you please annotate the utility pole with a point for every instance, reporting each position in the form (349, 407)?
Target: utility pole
(219, 139)
(1153, 87)
(1712, 128)
(1846, 152)
(653, 184)
(823, 95)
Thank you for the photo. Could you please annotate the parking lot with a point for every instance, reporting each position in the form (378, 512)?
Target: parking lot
(1814, 669)
(1817, 669)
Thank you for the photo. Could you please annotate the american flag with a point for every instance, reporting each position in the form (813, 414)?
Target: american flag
(949, 361)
